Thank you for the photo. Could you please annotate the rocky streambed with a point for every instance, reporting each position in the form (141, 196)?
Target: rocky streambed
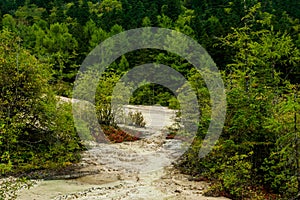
(130, 170)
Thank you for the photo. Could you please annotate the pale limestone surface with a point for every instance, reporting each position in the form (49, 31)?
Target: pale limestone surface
(130, 171)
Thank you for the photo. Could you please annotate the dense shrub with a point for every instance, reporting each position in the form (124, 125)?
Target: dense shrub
(35, 132)
(136, 118)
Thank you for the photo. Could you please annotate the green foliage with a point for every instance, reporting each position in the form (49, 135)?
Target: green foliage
(106, 115)
(282, 166)
(153, 94)
(256, 45)
(173, 103)
(10, 186)
(256, 145)
(33, 130)
(136, 118)
(237, 176)
(23, 97)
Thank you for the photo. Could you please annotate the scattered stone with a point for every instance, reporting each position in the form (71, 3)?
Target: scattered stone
(135, 170)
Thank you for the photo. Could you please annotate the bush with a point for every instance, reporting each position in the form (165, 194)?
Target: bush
(236, 176)
(34, 129)
(136, 118)
(10, 186)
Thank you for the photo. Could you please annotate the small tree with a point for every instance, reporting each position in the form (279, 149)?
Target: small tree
(30, 132)
(282, 167)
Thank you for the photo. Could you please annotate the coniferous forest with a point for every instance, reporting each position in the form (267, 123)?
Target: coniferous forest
(255, 45)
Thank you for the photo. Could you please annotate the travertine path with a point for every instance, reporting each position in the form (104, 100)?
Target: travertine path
(129, 170)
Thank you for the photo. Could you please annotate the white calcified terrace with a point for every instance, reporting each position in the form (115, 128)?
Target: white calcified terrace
(128, 170)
